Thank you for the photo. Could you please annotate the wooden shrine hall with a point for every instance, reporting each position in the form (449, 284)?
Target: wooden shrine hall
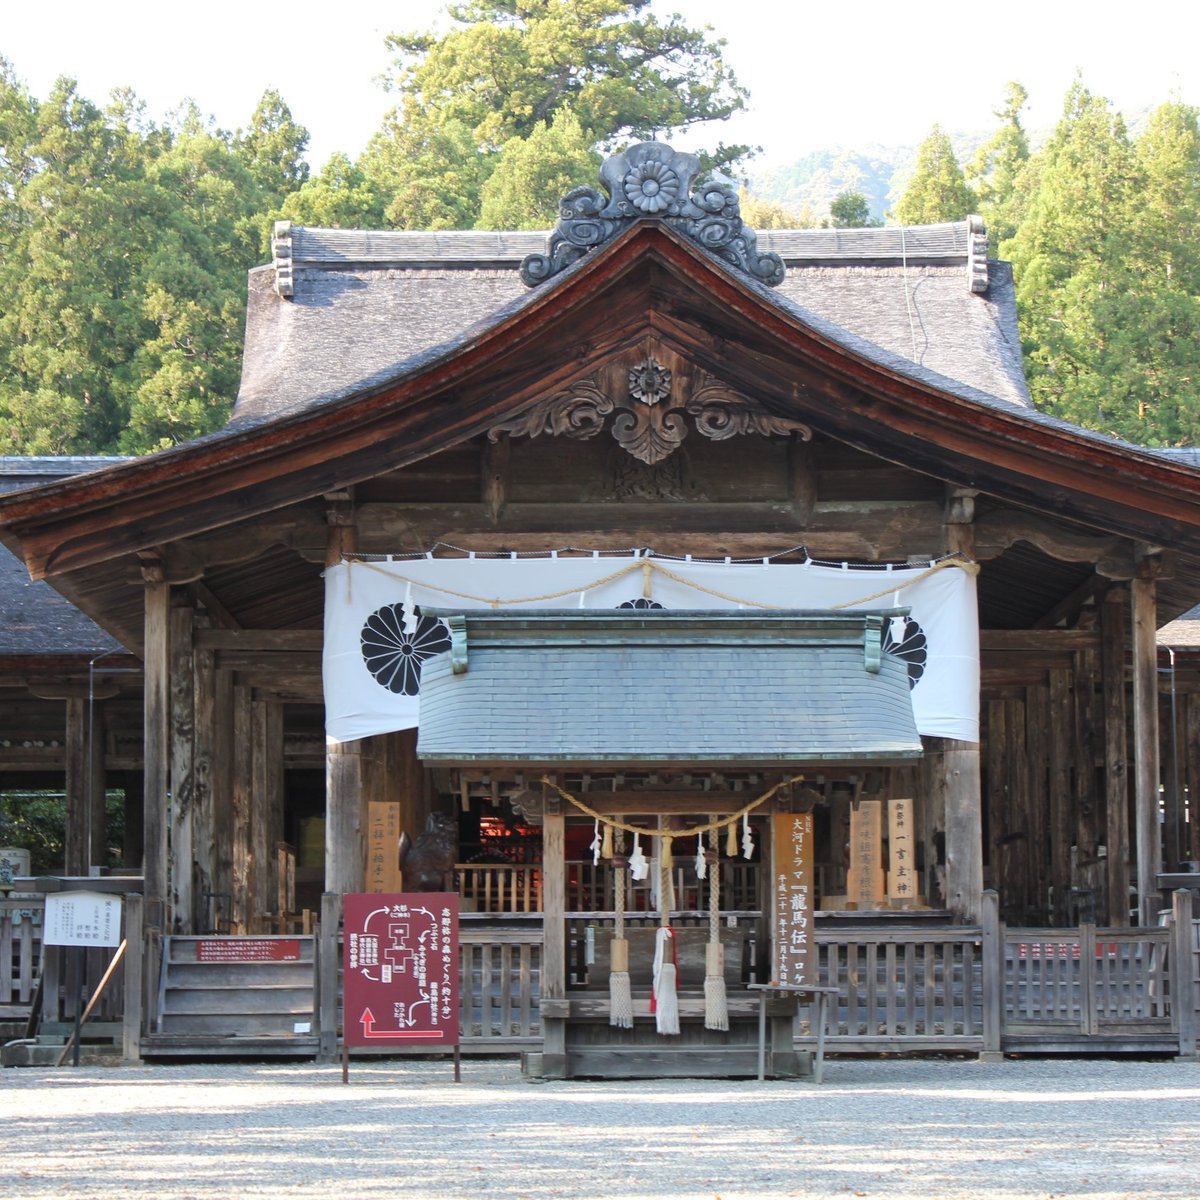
(566, 550)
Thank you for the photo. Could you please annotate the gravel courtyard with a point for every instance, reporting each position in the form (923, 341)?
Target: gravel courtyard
(936, 1130)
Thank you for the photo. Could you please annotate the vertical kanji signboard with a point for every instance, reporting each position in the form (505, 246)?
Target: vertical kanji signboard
(795, 959)
(400, 963)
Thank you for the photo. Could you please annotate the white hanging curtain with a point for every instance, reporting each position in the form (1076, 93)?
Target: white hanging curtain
(375, 643)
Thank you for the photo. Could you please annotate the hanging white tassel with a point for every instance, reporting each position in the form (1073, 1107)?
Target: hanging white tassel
(620, 993)
(666, 998)
(716, 1002)
(410, 616)
(597, 842)
(701, 861)
(747, 838)
(639, 865)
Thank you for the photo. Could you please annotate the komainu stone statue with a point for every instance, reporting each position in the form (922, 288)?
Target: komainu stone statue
(428, 863)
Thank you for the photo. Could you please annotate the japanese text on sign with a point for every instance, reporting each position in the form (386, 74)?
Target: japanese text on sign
(82, 919)
(401, 968)
(794, 952)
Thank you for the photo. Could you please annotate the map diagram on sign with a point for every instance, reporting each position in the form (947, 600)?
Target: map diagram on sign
(400, 968)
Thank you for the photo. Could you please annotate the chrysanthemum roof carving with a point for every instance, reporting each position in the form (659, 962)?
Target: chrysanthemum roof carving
(650, 180)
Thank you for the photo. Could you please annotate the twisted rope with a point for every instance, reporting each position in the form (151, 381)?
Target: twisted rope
(695, 831)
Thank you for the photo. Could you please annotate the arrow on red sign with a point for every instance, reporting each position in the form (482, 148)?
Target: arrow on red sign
(369, 1030)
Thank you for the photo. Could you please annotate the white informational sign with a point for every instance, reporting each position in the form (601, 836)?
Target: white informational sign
(82, 919)
(375, 641)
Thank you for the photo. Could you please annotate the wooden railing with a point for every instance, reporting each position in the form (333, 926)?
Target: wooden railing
(500, 985)
(902, 988)
(500, 887)
(20, 954)
(509, 887)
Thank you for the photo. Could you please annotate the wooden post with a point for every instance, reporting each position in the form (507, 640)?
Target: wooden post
(345, 801)
(182, 725)
(205, 830)
(220, 910)
(156, 741)
(243, 904)
(77, 854)
(1185, 982)
(131, 1030)
(954, 775)
(96, 782)
(958, 777)
(992, 955)
(1145, 739)
(327, 976)
(1061, 725)
(267, 798)
(554, 948)
(1116, 753)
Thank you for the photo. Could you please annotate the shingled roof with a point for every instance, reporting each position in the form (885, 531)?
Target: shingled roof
(337, 308)
(34, 619)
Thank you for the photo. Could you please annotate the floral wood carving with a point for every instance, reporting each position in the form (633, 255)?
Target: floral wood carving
(652, 180)
(647, 424)
(722, 413)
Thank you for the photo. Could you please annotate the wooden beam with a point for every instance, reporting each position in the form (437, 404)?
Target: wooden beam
(299, 641)
(1038, 641)
(242, 901)
(554, 949)
(497, 457)
(267, 791)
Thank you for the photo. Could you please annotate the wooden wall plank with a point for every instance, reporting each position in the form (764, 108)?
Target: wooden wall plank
(156, 744)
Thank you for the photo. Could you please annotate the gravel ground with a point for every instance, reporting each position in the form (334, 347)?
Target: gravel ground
(937, 1130)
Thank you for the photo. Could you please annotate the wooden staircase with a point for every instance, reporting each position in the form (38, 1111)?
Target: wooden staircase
(232, 996)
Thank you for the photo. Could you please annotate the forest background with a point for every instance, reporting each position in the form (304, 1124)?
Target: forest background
(125, 237)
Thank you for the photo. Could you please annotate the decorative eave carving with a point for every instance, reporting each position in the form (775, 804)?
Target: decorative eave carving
(652, 181)
(647, 423)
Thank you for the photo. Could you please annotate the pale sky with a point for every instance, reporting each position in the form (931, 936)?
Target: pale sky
(848, 74)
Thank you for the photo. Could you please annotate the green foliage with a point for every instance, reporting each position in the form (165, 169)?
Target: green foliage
(340, 197)
(1108, 273)
(36, 821)
(507, 69)
(997, 168)
(124, 247)
(850, 210)
(937, 191)
(767, 214)
(533, 173)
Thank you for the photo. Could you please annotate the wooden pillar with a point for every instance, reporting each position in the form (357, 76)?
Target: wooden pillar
(97, 784)
(266, 822)
(242, 901)
(554, 948)
(345, 802)
(78, 818)
(1145, 737)
(1062, 723)
(156, 741)
(957, 774)
(220, 903)
(1116, 753)
(204, 828)
(182, 726)
(1191, 756)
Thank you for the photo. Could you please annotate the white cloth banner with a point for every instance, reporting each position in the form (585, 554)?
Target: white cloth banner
(375, 643)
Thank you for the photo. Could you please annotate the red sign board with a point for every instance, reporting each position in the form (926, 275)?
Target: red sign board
(400, 968)
(248, 949)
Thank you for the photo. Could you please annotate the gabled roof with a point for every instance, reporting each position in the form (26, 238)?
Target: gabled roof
(650, 284)
(338, 308)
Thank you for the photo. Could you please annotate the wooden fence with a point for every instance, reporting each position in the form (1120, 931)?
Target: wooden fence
(20, 954)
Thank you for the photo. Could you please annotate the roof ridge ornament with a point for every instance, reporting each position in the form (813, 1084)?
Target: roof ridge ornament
(650, 180)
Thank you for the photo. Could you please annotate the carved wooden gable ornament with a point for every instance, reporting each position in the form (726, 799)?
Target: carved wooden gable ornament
(651, 396)
(649, 399)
